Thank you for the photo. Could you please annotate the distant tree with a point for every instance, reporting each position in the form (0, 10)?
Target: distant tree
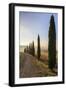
(25, 50)
(33, 49)
(52, 44)
(38, 47)
(30, 48)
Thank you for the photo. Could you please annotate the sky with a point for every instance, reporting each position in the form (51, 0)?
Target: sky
(33, 23)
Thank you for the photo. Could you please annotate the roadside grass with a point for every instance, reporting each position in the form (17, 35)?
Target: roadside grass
(43, 69)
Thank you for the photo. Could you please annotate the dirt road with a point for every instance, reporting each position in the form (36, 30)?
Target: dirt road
(28, 68)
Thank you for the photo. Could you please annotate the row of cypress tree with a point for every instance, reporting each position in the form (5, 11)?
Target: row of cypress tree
(51, 45)
(31, 48)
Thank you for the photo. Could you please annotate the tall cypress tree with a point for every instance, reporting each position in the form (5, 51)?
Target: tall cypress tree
(38, 47)
(33, 49)
(30, 48)
(52, 44)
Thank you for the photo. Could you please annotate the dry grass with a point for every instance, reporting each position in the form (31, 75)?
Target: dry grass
(43, 69)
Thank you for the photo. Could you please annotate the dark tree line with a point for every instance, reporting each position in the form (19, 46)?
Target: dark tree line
(31, 48)
(51, 45)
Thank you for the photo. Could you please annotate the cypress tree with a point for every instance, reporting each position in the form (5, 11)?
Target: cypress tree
(30, 51)
(33, 49)
(52, 44)
(38, 47)
(25, 50)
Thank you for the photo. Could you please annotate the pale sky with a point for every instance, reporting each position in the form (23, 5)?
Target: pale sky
(33, 23)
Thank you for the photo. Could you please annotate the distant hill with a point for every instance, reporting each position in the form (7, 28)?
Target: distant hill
(21, 48)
